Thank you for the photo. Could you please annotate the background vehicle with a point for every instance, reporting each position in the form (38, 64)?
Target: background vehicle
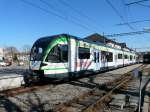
(146, 58)
(65, 56)
(2, 63)
(20, 63)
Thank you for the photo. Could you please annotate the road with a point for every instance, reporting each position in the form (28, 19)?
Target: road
(12, 70)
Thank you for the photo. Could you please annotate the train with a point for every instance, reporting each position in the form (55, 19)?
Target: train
(66, 56)
(146, 58)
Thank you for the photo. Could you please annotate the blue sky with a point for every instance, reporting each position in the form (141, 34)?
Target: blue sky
(22, 23)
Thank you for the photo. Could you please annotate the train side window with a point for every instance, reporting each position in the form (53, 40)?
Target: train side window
(64, 53)
(58, 54)
(126, 56)
(95, 57)
(103, 56)
(98, 57)
(109, 56)
(119, 56)
(131, 57)
(83, 53)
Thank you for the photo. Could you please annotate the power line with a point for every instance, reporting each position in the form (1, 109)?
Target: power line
(51, 6)
(74, 9)
(55, 14)
(43, 9)
(117, 12)
(133, 22)
(143, 48)
(135, 2)
(77, 11)
(148, 6)
(129, 33)
(58, 10)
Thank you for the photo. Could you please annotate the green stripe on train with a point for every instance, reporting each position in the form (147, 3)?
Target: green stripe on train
(54, 68)
(54, 43)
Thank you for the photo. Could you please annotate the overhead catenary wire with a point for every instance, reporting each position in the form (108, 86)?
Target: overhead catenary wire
(139, 21)
(134, 22)
(74, 9)
(129, 33)
(131, 3)
(117, 12)
(57, 15)
(59, 10)
(148, 6)
(80, 13)
(124, 8)
(143, 47)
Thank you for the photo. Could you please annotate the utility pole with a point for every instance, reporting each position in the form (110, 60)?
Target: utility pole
(140, 91)
(104, 38)
(12, 53)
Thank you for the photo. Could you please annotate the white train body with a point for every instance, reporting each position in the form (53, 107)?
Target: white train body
(67, 56)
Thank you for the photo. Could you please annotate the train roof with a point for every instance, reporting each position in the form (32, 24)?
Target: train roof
(49, 38)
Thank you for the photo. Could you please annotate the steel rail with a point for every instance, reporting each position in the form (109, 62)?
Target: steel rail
(102, 101)
(98, 105)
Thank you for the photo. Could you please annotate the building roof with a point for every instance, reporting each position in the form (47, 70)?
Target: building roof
(102, 39)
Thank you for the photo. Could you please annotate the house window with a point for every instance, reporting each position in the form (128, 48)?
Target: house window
(83, 53)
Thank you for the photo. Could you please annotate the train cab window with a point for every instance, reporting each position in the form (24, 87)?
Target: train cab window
(83, 53)
(131, 57)
(36, 53)
(119, 56)
(58, 54)
(109, 56)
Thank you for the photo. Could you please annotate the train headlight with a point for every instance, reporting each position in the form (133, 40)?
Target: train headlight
(43, 64)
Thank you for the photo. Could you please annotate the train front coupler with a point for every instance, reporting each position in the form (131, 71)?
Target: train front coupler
(31, 78)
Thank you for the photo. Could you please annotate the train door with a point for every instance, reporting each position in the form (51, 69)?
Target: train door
(96, 59)
(103, 59)
(116, 57)
(72, 55)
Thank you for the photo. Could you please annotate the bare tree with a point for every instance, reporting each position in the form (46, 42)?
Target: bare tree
(26, 48)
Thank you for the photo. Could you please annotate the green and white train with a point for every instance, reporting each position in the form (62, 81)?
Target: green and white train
(65, 56)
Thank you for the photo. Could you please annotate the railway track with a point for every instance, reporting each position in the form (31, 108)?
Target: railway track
(22, 89)
(95, 100)
(86, 100)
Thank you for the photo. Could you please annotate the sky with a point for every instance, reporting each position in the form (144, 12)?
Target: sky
(24, 21)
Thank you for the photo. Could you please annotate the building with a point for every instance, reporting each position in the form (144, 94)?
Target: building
(1, 53)
(9, 53)
(23, 56)
(109, 42)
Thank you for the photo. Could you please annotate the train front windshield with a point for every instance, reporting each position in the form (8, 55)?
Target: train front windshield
(38, 50)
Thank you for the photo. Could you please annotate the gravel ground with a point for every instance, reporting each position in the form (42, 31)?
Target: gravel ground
(132, 90)
(146, 99)
(47, 98)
